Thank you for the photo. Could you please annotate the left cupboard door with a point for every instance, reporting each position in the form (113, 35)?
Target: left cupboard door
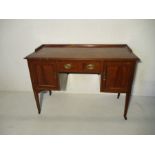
(44, 74)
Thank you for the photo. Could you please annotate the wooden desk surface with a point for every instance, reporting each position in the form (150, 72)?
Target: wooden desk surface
(83, 51)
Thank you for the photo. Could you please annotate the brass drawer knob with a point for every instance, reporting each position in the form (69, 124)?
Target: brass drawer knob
(90, 66)
(67, 66)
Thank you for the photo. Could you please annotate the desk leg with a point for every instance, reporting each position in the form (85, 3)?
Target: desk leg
(118, 95)
(50, 92)
(36, 95)
(127, 100)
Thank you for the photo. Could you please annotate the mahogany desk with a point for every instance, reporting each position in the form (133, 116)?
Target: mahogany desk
(114, 62)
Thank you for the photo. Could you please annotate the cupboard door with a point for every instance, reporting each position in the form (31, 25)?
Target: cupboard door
(45, 75)
(117, 76)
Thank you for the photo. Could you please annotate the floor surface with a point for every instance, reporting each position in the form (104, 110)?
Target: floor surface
(78, 114)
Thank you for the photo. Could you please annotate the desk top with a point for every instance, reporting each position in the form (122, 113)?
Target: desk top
(83, 51)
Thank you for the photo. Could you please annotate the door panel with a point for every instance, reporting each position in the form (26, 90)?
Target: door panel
(45, 75)
(117, 76)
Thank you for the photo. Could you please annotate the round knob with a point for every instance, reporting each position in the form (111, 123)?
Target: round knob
(90, 66)
(67, 66)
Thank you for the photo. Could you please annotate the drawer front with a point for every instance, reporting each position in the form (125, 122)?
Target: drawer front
(79, 66)
(69, 66)
(91, 67)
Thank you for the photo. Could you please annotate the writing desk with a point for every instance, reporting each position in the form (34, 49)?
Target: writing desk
(114, 62)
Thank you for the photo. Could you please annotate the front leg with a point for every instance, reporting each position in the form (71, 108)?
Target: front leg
(127, 100)
(36, 95)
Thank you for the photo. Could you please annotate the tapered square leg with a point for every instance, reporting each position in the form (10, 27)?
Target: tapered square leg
(36, 95)
(50, 92)
(118, 95)
(127, 100)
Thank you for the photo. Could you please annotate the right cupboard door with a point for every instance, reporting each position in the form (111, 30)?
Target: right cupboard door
(117, 76)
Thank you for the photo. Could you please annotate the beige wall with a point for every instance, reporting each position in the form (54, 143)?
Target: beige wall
(19, 38)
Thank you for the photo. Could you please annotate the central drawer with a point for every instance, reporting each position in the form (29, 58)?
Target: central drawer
(79, 66)
(91, 66)
(69, 66)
